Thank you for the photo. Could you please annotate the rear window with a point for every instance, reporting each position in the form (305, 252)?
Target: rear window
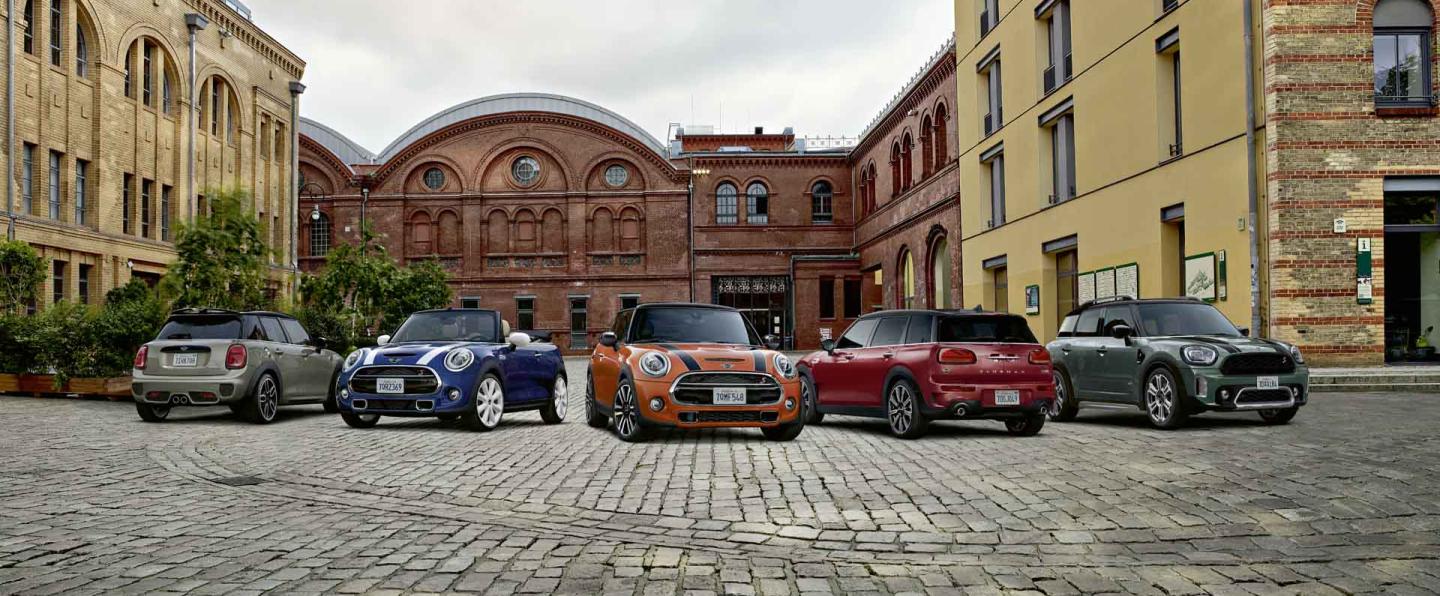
(201, 327)
(984, 329)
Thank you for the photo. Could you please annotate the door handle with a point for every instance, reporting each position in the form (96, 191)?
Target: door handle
(1064, 350)
(888, 355)
(848, 356)
(1101, 352)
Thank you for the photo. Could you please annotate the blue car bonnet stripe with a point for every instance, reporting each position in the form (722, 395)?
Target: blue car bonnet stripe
(689, 360)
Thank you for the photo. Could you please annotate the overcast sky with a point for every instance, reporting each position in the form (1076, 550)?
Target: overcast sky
(377, 67)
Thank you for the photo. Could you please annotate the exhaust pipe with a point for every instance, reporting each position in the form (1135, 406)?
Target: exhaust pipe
(960, 411)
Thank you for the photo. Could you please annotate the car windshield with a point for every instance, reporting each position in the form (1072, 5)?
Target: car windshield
(202, 327)
(691, 325)
(984, 329)
(450, 325)
(1179, 318)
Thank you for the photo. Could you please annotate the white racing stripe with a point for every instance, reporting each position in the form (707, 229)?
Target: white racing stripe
(370, 356)
(424, 360)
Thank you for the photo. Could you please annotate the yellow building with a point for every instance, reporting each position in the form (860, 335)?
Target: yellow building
(101, 147)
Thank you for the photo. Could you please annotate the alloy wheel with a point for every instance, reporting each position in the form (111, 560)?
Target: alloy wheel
(1159, 397)
(267, 398)
(627, 412)
(807, 402)
(490, 402)
(901, 404)
(1059, 404)
(561, 397)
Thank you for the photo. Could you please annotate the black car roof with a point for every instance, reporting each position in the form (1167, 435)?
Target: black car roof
(682, 305)
(1130, 300)
(949, 312)
(221, 311)
(455, 310)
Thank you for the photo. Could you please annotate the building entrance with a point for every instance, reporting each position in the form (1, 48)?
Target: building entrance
(762, 299)
(1412, 275)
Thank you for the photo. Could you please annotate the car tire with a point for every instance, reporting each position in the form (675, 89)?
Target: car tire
(332, 405)
(1279, 416)
(593, 417)
(1162, 399)
(629, 421)
(1066, 405)
(1027, 426)
(360, 420)
(151, 413)
(487, 406)
(809, 402)
(903, 411)
(784, 432)
(263, 402)
(555, 410)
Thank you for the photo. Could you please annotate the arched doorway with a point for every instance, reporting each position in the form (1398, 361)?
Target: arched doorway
(940, 272)
(907, 279)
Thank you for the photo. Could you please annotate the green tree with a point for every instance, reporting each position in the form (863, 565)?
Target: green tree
(363, 293)
(221, 258)
(21, 273)
(422, 286)
(132, 316)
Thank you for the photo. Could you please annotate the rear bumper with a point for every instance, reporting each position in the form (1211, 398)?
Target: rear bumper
(979, 401)
(191, 391)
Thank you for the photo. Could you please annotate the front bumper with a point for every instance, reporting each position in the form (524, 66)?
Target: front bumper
(785, 410)
(452, 395)
(972, 402)
(212, 390)
(1211, 390)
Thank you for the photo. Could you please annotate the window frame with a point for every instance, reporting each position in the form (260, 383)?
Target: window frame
(727, 204)
(822, 204)
(81, 175)
(1427, 61)
(27, 182)
(57, 33)
(82, 52)
(826, 295)
(525, 308)
(320, 229)
(757, 204)
(57, 159)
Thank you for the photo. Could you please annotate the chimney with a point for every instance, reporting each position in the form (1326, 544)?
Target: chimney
(759, 130)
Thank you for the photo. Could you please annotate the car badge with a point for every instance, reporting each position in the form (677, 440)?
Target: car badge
(727, 366)
(394, 360)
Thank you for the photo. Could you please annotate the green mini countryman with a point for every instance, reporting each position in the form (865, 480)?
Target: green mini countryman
(1171, 359)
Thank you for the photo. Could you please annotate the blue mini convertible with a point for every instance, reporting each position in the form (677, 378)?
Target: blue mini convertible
(455, 364)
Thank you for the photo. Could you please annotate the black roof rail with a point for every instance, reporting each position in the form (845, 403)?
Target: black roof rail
(1107, 300)
(203, 311)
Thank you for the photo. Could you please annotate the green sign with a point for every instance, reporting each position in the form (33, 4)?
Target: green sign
(1364, 281)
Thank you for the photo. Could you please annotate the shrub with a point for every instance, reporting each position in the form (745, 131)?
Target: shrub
(221, 258)
(132, 316)
(21, 273)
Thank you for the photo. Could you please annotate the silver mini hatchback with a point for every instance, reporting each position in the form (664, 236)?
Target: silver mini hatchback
(253, 362)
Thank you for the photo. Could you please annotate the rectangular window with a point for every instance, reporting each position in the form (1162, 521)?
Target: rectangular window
(726, 206)
(214, 107)
(145, 187)
(1067, 283)
(130, 72)
(1167, 48)
(29, 26)
(83, 279)
(265, 140)
(82, 168)
(1000, 277)
(525, 313)
(989, 16)
(147, 86)
(994, 108)
(827, 297)
(1057, 27)
(278, 147)
(55, 160)
(202, 208)
(1062, 158)
(1402, 66)
(1179, 130)
(127, 203)
(57, 39)
(165, 193)
(166, 96)
(997, 190)
(57, 283)
(852, 298)
(27, 180)
(470, 302)
(629, 301)
(579, 323)
(230, 123)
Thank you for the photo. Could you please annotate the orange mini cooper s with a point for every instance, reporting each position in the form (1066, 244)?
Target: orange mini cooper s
(690, 366)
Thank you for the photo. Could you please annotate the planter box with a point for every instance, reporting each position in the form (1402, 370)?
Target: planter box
(37, 384)
(99, 387)
(9, 383)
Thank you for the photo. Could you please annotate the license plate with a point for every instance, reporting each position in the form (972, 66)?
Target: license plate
(1268, 382)
(390, 386)
(728, 396)
(1007, 397)
(185, 360)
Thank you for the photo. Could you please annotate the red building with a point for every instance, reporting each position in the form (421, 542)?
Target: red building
(558, 212)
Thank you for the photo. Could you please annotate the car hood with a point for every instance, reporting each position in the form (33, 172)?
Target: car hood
(1232, 345)
(718, 357)
(419, 353)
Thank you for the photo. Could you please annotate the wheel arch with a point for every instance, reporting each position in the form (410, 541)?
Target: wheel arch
(272, 369)
(1168, 363)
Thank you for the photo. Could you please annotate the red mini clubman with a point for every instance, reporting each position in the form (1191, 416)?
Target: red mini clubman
(913, 367)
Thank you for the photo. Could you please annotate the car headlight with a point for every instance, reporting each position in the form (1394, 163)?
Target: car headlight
(1295, 352)
(353, 358)
(459, 359)
(655, 364)
(784, 366)
(1199, 355)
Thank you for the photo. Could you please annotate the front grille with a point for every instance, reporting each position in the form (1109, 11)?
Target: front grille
(730, 416)
(698, 388)
(1260, 363)
(418, 379)
(1262, 396)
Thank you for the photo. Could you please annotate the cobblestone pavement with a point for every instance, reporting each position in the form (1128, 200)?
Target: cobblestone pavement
(1346, 499)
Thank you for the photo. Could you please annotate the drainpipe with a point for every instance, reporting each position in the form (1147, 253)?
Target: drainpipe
(1253, 169)
(194, 22)
(10, 119)
(690, 225)
(296, 88)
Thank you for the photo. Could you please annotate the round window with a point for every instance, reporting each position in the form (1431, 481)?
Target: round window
(434, 179)
(617, 175)
(525, 171)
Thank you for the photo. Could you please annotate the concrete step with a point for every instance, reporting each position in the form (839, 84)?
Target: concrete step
(1400, 379)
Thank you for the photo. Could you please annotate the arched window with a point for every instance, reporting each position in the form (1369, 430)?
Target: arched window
(895, 170)
(420, 234)
(1403, 33)
(907, 279)
(525, 232)
(822, 203)
(602, 231)
(757, 203)
(942, 147)
(907, 150)
(874, 177)
(82, 52)
(940, 273)
(927, 148)
(864, 187)
(630, 230)
(320, 236)
(726, 205)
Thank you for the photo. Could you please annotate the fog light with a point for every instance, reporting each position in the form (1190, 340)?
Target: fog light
(344, 393)
(453, 394)
(1224, 395)
(657, 404)
(789, 403)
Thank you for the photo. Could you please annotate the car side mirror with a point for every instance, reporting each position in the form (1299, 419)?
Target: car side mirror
(518, 339)
(828, 345)
(382, 340)
(1122, 332)
(772, 342)
(1245, 331)
(609, 339)
(318, 343)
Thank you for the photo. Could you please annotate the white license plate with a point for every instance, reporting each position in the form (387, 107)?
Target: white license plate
(185, 360)
(728, 396)
(1007, 397)
(390, 386)
(1268, 382)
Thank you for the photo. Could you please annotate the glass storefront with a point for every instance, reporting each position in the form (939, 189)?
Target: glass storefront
(1412, 276)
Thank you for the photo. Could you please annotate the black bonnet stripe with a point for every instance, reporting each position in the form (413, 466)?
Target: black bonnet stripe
(759, 361)
(684, 357)
(1224, 345)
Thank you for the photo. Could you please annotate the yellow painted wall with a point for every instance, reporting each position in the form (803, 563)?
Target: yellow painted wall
(1124, 176)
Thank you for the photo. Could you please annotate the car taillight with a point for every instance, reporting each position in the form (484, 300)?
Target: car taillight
(1039, 356)
(956, 356)
(235, 357)
(141, 356)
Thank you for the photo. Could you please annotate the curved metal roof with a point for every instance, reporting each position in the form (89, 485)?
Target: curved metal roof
(347, 150)
(520, 102)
